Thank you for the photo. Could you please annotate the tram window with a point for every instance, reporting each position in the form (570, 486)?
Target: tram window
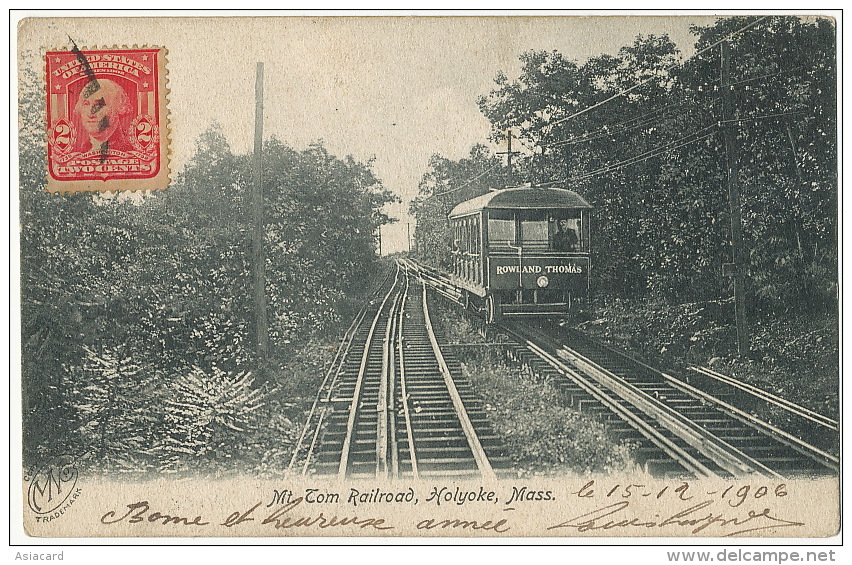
(534, 229)
(573, 240)
(501, 228)
(476, 235)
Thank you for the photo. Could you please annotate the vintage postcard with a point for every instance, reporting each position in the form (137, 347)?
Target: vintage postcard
(409, 276)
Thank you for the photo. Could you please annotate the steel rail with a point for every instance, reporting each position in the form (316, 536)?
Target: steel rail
(334, 369)
(403, 390)
(684, 459)
(720, 452)
(671, 449)
(356, 394)
(726, 456)
(394, 359)
(306, 465)
(762, 426)
(441, 284)
(476, 448)
(770, 398)
(674, 451)
(345, 344)
(392, 369)
(776, 433)
(382, 412)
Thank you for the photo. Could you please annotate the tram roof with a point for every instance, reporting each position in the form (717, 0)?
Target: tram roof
(521, 198)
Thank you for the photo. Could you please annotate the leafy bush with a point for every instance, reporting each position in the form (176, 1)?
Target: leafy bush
(126, 296)
(206, 416)
(542, 434)
(662, 216)
(114, 410)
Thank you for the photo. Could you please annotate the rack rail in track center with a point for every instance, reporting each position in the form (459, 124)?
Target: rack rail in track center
(399, 408)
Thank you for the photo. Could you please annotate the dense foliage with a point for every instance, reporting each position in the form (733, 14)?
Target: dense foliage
(652, 160)
(442, 187)
(137, 313)
(784, 348)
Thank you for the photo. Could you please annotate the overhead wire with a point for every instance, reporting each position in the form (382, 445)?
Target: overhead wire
(655, 152)
(636, 161)
(612, 129)
(583, 138)
(770, 75)
(666, 68)
(761, 117)
(606, 130)
(682, 141)
(470, 181)
(678, 143)
(616, 128)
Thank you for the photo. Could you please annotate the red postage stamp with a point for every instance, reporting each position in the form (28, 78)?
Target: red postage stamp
(107, 120)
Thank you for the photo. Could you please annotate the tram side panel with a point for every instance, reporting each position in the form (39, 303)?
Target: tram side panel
(539, 284)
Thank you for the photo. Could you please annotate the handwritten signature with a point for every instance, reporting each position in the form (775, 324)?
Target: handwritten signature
(613, 516)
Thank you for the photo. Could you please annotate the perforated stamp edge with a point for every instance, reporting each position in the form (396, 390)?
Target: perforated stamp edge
(163, 177)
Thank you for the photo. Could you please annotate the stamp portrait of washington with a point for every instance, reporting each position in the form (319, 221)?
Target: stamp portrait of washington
(105, 117)
(102, 115)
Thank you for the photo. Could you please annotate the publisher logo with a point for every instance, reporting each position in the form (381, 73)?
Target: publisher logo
(52, 484)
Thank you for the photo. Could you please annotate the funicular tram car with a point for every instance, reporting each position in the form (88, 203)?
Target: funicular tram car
(522, 252)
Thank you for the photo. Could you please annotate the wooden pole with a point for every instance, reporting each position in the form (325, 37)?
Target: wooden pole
(567, 168)
(258, 259)
(509, 161)
(732, 157)
(797, 228)
(510, 180)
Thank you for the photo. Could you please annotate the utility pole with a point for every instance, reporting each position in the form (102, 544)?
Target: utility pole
(537, 165)
(380, 240)
(408, 234)
(739, 266)
(258, 259)
(508, 153)
(800, 179)
(567, 167)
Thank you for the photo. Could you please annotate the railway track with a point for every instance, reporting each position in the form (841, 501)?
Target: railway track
(394, 405)
(680, 429)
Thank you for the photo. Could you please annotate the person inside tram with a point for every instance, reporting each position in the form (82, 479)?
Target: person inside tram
(565, 239)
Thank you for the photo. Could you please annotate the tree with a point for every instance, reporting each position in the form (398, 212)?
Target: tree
(637, 134)
(133, 303)
(546, 103)
(444, 185)
(785, 91)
